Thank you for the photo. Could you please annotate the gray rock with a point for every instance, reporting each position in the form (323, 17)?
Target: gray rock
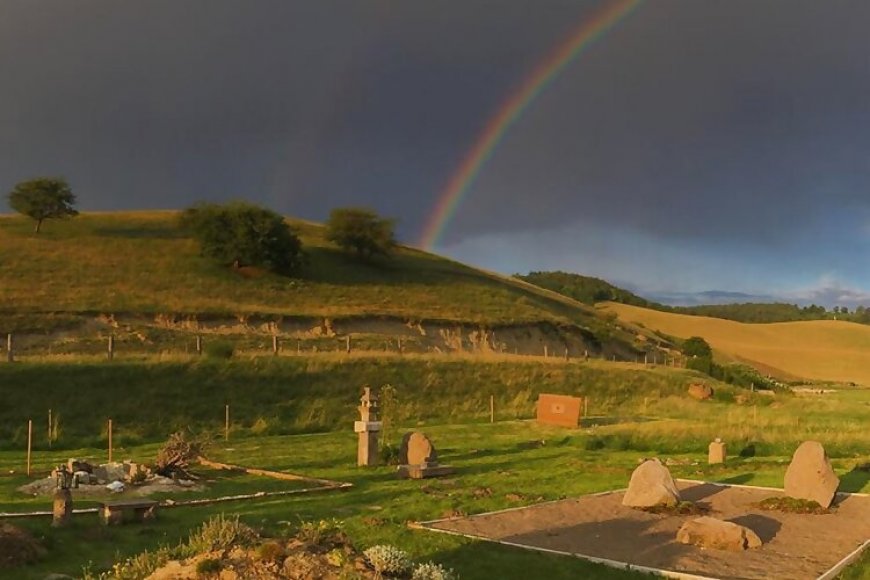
(810, 475)
(718, 534)
(651, 485)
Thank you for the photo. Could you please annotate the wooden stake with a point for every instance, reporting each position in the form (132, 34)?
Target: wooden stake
(110, 440)
(298, 346)
(492, 409)
(111, 351)
(347, 344)
(545, 351)
(275, 344)
(227, 423)
(10, 356)
(566, 353)
(49, 427)
(29, 443)
(585, 406)
(198, 344)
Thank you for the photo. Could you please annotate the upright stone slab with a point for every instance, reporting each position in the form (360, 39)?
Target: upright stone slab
(651, 485)
(419, 458)
(716, 452)
(417, 449)
(810, 476)
(62, 508)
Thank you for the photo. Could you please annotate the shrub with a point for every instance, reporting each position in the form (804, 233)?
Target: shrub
(360, 231)
(220, 533)
(208, 566)
(433, 571)
(243, 234)
(270, 552)
(388, 560)
(219, 349)
(315, 532)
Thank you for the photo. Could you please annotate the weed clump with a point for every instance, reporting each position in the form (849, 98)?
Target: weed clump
(792, 505)
(387, 559)
(433, 571)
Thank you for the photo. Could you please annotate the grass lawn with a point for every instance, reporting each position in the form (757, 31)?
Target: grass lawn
(499, 465)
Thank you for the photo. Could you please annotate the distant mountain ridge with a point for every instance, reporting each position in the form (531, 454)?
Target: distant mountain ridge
(737, 306)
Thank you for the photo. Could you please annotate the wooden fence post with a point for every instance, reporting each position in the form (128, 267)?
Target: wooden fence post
(347, 344)
(49, 427)
(227, 423)
(110, 440)
(29, 443)
(492, 409)
(111, 348)
(198, 344)
(275, 344)
(10, 356)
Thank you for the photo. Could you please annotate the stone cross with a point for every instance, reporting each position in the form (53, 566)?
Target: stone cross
(368, 428)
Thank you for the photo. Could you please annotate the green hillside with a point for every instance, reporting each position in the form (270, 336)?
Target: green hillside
(141, 262)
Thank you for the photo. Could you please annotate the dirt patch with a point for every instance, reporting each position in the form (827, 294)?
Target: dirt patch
(18, 547)
(796, 546)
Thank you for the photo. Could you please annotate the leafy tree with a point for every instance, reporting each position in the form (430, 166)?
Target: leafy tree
(243, 234)
(361, 231)
(43, 198)
(695, 346)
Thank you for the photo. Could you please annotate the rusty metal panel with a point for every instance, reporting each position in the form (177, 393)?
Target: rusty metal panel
(559, 410)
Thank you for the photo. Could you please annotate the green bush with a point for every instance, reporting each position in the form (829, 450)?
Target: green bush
(208, 566)
(243, 234)
(361, 231)
(219, 349)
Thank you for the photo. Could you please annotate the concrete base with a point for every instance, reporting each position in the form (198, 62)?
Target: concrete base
(423, 471)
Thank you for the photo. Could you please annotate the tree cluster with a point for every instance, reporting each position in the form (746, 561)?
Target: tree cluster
(241, 234)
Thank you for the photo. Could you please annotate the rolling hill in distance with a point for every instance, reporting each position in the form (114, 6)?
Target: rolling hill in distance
(816, 349)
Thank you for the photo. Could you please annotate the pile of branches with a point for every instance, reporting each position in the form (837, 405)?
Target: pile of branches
(176, 455)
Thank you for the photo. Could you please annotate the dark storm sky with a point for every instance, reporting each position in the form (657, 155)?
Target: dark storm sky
(698, 145)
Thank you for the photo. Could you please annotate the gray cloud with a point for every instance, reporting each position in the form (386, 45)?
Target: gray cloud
(689, 121)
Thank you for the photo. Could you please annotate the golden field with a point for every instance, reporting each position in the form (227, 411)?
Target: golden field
(827, 350)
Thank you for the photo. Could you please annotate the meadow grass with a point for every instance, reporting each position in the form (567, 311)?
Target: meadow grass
(506, 464)
(148, 398)
(140, 262)
(818, 349)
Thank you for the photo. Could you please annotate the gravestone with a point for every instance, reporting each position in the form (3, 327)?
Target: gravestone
(708, 532)
(651, 485)
(419, 458)
(368, 428)
(810, 476)
(716, 452)
(560, 410)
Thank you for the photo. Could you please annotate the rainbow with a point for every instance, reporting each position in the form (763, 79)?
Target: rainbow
(512, 109)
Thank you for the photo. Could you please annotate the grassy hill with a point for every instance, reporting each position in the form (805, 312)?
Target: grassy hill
(820, 349)
(141, 262)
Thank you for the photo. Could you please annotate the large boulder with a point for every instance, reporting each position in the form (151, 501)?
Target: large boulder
(417, 449)
(108, 472)
(700, 391)
(709, 532)
(810, 475)
(651, 485)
